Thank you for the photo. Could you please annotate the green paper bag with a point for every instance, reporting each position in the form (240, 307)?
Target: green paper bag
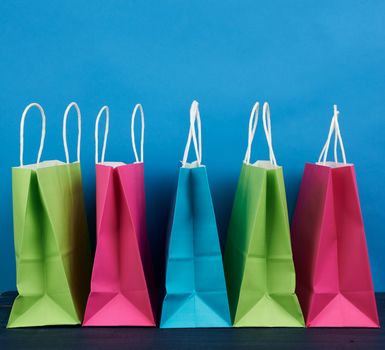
(259, 266)
(53, 260)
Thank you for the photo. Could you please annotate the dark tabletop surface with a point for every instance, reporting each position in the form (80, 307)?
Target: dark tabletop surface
(180, 339)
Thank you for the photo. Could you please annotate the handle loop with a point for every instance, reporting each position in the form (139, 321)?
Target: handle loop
(197, 140)
(43, 120)
(106, 109)
(137, 106)
(268, 133)
(253, 122)
(75, 105)
(334, 128)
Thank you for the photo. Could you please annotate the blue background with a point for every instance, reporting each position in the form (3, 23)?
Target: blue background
(301, 56)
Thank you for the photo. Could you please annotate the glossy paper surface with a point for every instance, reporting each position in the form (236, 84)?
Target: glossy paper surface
(334, 282)
(258, 260)
(195, 283)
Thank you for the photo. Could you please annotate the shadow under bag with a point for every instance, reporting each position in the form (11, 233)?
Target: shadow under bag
(259, 265)
(195, 283)
(53, 259)
(334, 282)
(122, 278)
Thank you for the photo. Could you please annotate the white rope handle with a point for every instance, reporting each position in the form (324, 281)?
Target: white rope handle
(268, 133)
(197, 140)
(334, 128)
(22, 131)
(253, 122)
(138, 106)
(72, 104)
(104, 108)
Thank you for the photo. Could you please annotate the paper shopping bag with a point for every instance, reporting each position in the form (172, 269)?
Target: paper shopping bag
(53, 260)
(122, 277)
(258, 259)
(334, 281)
(195, 284)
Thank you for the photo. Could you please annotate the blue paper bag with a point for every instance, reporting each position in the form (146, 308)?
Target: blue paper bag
(196, 293)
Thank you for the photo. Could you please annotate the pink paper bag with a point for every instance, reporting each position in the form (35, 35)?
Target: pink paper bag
(334, 281)
(122, 273)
